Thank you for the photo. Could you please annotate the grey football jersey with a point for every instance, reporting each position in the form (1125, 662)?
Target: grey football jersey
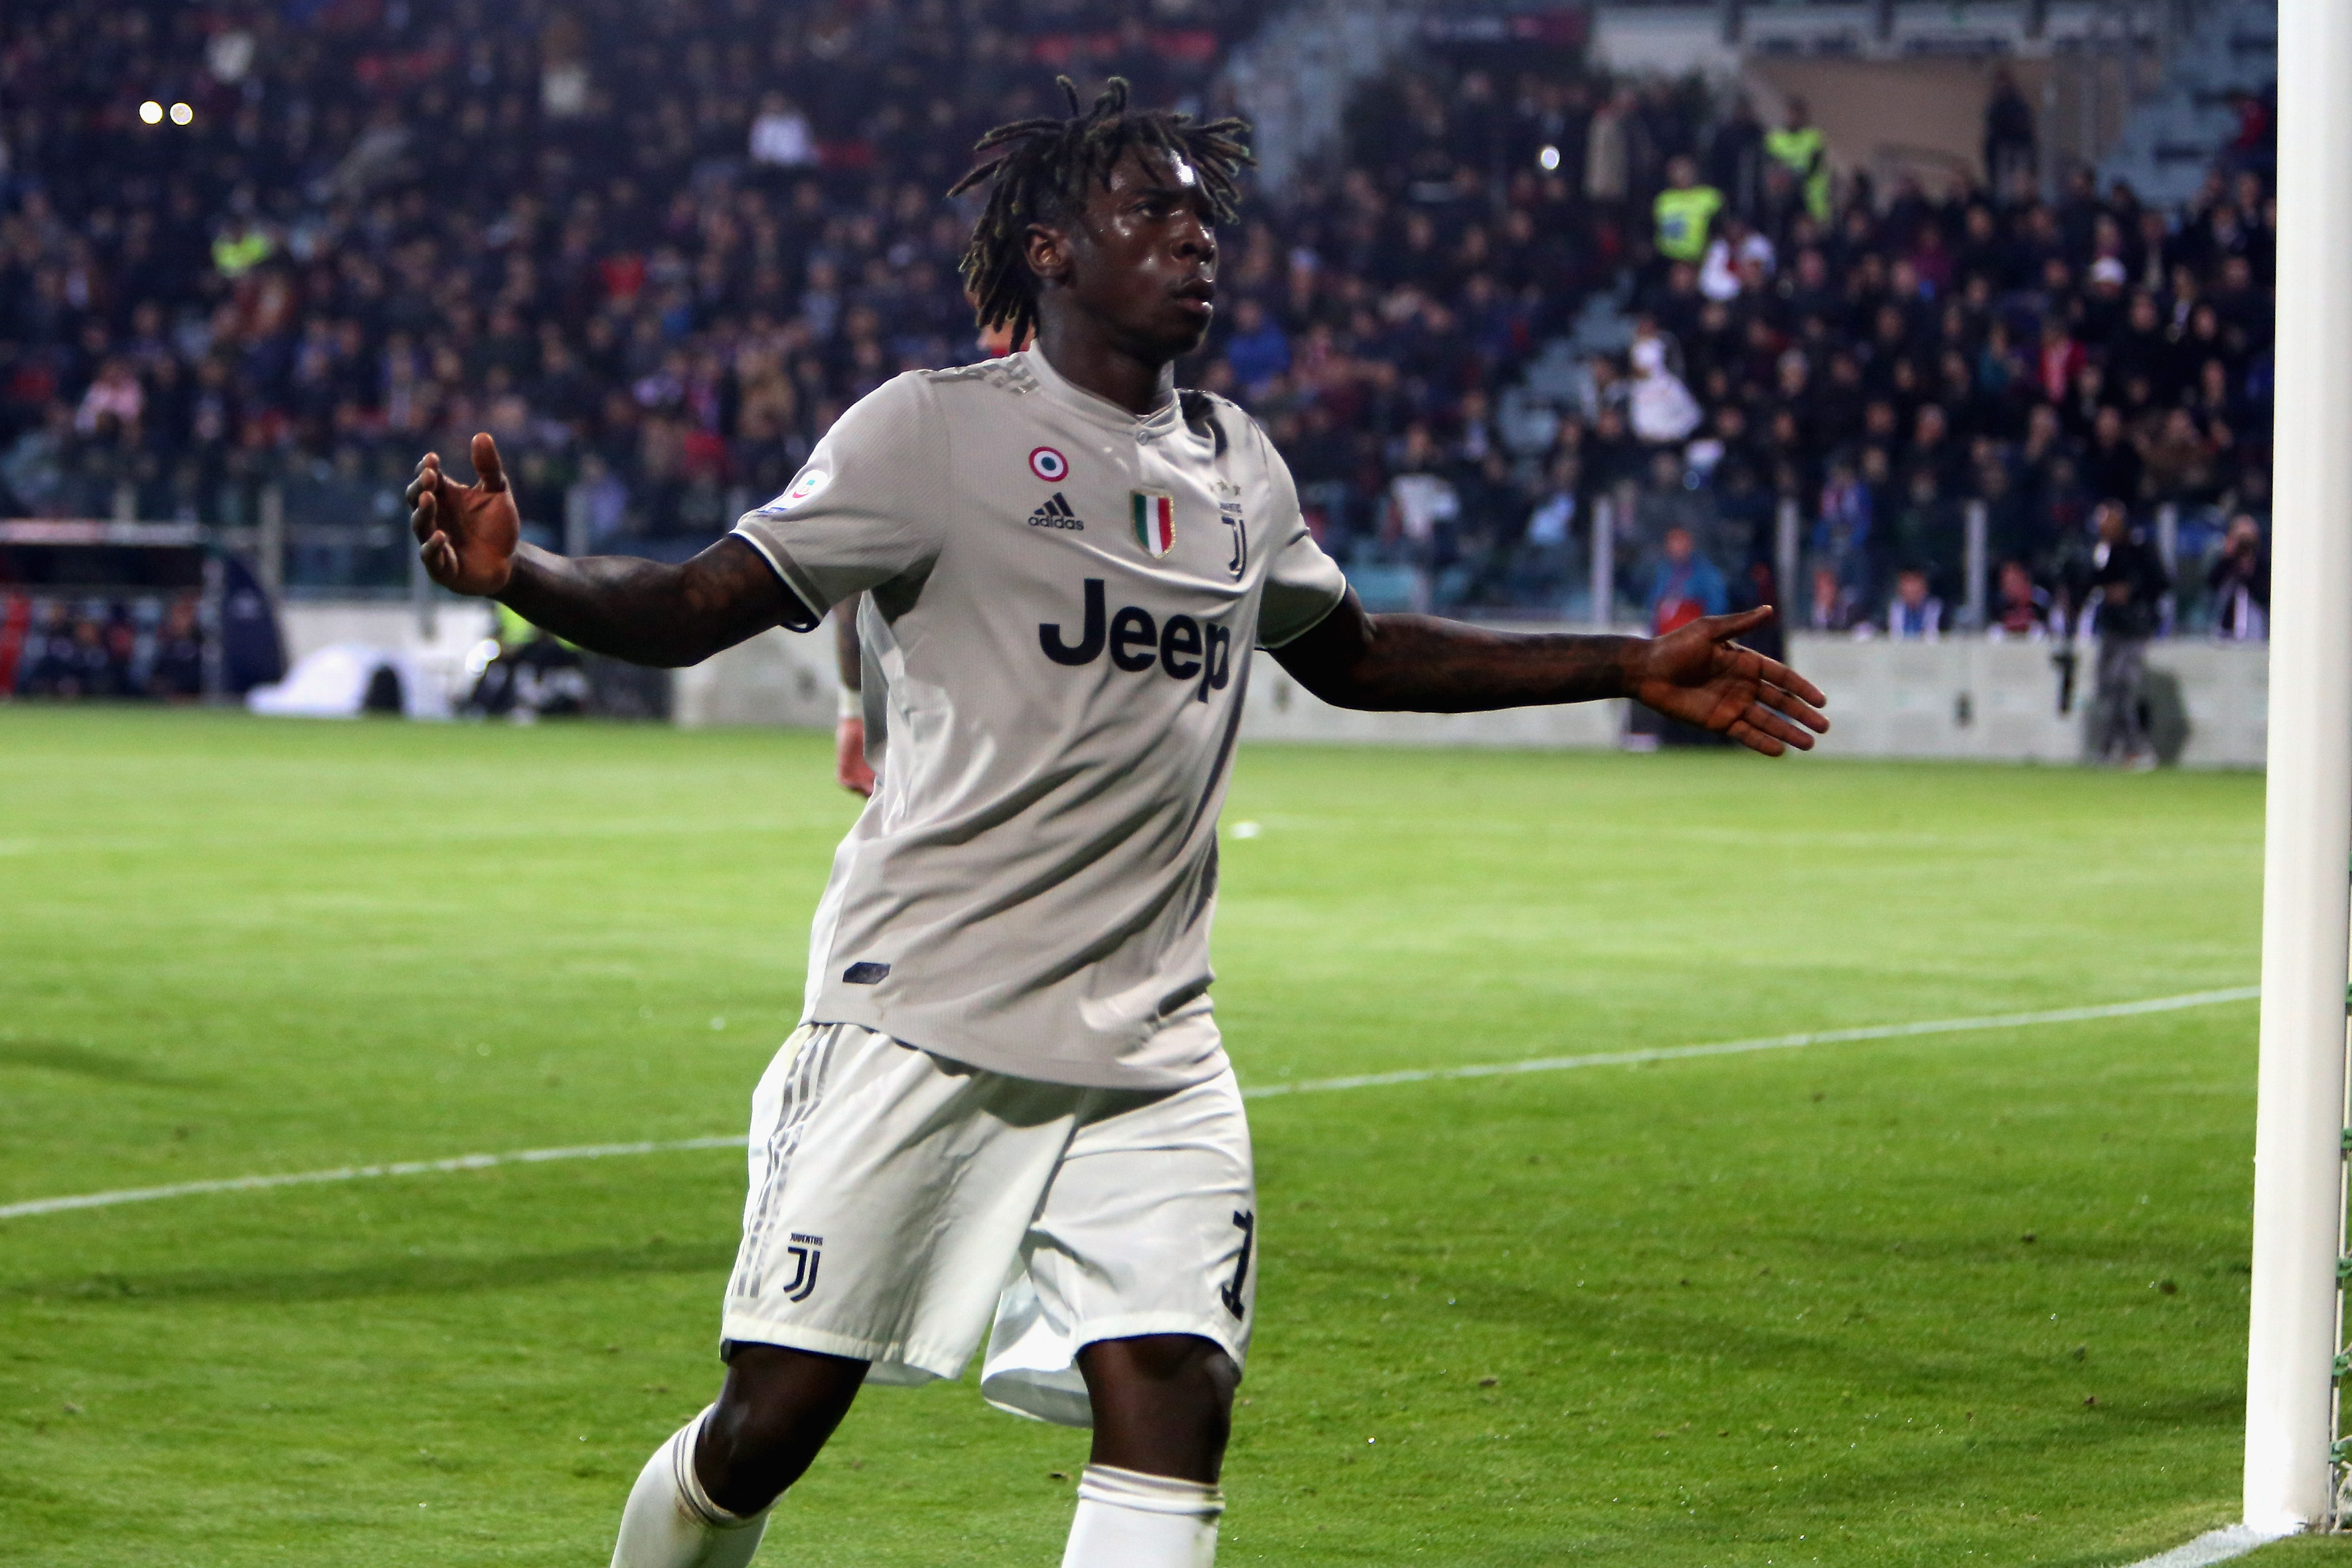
(1064, 598)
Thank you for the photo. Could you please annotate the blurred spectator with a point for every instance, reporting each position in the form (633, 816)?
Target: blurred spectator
(176, 668)
(1608, 155)
(1683, 586)
(1759, 586)
(1735, 158)
(2240, 582)
(2010, 161)
(1662, 407)
(2125, 581)
(1685, 212)
(1830, 608)
(1800, 149)
(781, 137)
(1842, 535)
(1724, 275)
(1913, 614)
(2020, 609)
(1547, 541)
(1423, 508)
(533, 675)
(44, 662)
(1258, 351)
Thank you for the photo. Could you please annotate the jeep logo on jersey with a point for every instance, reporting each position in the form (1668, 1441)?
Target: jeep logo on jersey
(1184, 648)
(1155, 520)
(1049, 464)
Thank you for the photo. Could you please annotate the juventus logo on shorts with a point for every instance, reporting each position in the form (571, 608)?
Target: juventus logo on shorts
(806, 1258)
(1230, 1293)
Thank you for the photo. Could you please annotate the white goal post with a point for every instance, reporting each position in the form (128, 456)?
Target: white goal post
(2291, 1338)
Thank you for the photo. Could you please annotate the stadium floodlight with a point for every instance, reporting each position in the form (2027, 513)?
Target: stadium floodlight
(1548, 158)
(151, 112)
(2293, 1324)
(182, 114)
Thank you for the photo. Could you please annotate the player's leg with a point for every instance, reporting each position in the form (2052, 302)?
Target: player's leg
(1139, 1271)
(1163, 1406)
(702, 1500)
(776, 1409)
(2132, 684)
(889, 1191)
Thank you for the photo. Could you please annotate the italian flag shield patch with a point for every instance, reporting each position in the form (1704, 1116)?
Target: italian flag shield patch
(1155, 519)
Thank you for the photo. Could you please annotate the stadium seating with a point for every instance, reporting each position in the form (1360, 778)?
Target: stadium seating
(260, 257)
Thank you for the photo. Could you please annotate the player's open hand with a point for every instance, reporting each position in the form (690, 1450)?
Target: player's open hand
(1698, 674)
(466, 533)
(849, 769)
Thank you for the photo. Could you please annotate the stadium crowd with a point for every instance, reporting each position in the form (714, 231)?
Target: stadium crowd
(658, 249)
(1881, 360)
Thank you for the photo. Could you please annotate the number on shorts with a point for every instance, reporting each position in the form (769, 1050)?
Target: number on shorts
(1231, 1293)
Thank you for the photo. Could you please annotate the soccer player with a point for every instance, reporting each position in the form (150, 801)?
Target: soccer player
(1007, 1113)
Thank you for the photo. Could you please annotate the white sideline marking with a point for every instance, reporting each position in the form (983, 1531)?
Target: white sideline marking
(1312, 1085)
(1772, 1043)
(2213, 1546)
(358, 1173)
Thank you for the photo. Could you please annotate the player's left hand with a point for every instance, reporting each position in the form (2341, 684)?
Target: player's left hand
(1698, 674)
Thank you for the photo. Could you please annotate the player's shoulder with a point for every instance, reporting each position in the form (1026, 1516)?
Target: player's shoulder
(902, 397)
(903, 408)
(1008, 376)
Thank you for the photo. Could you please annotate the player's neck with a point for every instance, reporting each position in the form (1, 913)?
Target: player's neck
(1082, 355)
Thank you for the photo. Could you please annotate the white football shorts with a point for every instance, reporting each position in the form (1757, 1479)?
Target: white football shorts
(902, 1203)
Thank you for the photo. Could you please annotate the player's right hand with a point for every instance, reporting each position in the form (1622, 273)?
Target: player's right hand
(849, 769)
(465, 535)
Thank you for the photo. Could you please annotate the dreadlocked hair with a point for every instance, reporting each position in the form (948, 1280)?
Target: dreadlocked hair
(1040, 172)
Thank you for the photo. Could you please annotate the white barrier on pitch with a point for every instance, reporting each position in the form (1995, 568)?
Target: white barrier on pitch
(1999, 701)
(777, 678)
(1963, 697)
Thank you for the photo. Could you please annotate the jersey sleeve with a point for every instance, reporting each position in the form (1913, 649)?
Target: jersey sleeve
(863, 509)
(1302, 583)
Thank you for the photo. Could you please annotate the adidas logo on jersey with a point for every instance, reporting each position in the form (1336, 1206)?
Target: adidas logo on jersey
(1057, 514)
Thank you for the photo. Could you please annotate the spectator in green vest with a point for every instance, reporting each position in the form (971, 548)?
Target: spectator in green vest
(239, 252)
(1799, 147)
(1685, 212)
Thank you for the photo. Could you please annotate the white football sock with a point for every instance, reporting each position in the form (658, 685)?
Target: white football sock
(671, 1523)
(1127, 1520)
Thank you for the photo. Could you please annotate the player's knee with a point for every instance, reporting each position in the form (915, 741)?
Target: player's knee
(1169, 1372)
(776, 1411)
(1213, 1373)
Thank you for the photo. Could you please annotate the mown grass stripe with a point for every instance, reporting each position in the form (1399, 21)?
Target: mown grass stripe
(1312, 1085)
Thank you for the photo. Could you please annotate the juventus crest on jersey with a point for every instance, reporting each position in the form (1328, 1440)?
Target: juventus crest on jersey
(1063, 599)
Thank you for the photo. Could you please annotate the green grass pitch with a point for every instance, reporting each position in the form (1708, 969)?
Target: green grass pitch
(1966, 1299)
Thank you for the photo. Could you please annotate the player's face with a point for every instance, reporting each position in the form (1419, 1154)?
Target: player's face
(1143, 258)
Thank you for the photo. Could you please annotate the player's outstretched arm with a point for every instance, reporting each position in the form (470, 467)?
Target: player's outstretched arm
(1697, 673)
(469, 537)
